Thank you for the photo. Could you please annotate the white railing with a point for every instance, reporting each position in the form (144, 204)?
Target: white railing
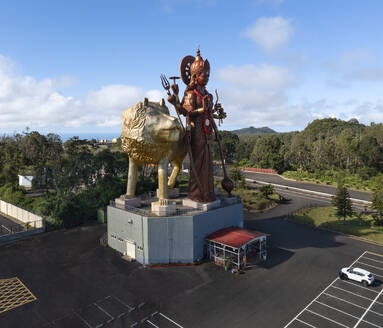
(21, 214)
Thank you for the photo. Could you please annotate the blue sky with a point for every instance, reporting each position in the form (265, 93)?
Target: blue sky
(73, 66)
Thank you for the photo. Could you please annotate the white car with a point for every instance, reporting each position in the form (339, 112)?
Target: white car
(357, 274)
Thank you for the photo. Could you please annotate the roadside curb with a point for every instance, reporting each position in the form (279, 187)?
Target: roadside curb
(368, 241)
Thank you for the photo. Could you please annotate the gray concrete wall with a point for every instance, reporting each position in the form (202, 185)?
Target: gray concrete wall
(168, 239)
(119, 230)
(211, 221)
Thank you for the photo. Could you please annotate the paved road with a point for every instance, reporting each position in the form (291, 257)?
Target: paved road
(303, 185)
(7, 225)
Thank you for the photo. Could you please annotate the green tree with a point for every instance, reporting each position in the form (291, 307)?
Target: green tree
(229, 142)
(377, 200)
(266, 153)
(267, 190)
(341, 200)
(236, 175)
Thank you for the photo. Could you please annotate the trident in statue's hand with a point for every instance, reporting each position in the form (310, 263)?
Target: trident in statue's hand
(172, 98)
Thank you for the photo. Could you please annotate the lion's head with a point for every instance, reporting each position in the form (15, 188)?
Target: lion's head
(148, 130)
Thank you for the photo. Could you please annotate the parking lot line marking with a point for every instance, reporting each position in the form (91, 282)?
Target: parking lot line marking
(373, 253)
(109, 315)
(311, 303)
(152, 324)
(347, 291)
(322, 292)
(372, 324)
(83, 320)
(341, 299)
(372, 266)
(322, 316)
(369, 258)
(369, 289)
(365, 312)
(129, 307)
(337, 310)
(171, 320)
(305, 323)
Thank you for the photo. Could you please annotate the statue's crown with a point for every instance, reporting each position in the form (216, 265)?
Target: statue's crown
(199, 65)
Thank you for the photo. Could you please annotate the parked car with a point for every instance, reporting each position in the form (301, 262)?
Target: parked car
(357, 274)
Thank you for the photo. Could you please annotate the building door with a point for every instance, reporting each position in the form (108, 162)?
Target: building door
(131, 249)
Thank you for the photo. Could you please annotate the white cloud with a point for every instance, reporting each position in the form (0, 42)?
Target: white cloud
(257, 96)
(26, 101)
(265, 76)
(350, 66)
(270, 33)
(366, 74)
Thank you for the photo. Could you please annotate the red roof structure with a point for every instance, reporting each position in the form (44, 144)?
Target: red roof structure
(234, 236)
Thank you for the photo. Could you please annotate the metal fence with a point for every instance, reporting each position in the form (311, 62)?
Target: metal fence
(16, 228)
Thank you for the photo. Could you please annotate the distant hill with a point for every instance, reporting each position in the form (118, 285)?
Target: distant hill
(253, 130)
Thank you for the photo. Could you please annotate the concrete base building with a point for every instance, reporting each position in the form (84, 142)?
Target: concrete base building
(179, 238)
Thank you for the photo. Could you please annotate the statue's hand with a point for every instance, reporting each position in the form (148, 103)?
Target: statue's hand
(172, 99)
(175, 88)
(220, 111)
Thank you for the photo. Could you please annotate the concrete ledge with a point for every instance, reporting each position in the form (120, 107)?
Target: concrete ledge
(123, 202)
(201, 206)
(164, 210)
(19, 235)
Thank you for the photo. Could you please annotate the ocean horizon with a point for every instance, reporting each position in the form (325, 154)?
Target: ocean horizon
(67, 135)
(89, 136)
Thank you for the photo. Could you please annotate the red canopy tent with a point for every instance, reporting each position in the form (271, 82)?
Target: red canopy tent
(233, 246)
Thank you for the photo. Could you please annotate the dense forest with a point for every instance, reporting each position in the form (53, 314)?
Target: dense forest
(325, 144)
(72, 179)
(77, 177)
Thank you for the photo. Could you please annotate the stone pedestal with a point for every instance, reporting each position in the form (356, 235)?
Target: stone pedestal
(230, 200)
(172, 192)
(201, 206)
(167, 239)
(122, 202)
(164, 210)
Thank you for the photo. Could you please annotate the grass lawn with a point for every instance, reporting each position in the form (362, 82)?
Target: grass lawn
(352, 181)
(324, 217)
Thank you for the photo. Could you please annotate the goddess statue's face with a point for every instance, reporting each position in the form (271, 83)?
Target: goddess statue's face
(203, 78)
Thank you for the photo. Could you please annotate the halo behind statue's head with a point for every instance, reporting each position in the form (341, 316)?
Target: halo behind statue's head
(192, 66)
(185, 69)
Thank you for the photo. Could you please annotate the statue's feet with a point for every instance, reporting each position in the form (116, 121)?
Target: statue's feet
(164, 201)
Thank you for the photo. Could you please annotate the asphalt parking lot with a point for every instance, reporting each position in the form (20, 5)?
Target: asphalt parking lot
(345, 303)
(78, 283)
(8, 226)
(110, 312)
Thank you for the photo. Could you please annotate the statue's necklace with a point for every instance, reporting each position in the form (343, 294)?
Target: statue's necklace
(206, 118)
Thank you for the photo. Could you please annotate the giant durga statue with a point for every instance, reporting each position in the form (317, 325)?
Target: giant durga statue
(151, 135)
(197, 106)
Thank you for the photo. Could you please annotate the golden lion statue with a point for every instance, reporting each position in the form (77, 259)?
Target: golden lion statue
(151, 136)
